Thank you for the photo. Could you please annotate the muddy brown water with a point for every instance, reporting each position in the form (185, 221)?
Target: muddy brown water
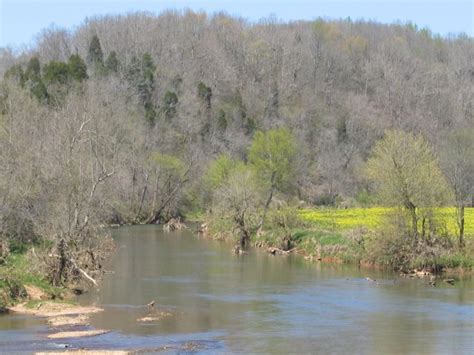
(208, 300)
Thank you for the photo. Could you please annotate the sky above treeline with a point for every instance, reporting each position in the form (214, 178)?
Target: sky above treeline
(22, 20)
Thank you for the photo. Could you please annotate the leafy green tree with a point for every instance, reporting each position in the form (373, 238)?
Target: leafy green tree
(171, 174)
(238, 195)
(112, 63)
(77, 68)
(219, 171)
(272, 156)
(406, 174)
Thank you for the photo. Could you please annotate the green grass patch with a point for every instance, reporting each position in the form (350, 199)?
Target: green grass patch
(15, 273)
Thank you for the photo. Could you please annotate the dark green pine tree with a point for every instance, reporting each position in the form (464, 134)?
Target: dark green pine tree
(112, 64)
(95, 56)
(77, 68)
(56, 73)
(33, 68)
(34, 82)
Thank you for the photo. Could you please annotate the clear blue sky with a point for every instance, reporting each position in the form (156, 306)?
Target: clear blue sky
(21, 20)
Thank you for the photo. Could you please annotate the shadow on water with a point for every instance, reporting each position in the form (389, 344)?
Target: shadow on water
(207, 299)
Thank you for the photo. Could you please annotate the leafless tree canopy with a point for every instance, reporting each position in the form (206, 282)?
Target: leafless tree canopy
(129, 139)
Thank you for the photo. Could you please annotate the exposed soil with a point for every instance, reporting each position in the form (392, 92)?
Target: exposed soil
(35, 293)
(77, 334)
(62, 321)
(54, 309)
(88, 352)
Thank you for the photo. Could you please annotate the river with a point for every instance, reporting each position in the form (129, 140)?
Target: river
(210, 300)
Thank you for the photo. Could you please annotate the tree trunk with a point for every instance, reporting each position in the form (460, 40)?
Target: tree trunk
(244, 233)
(137, 218)
(414, 220)
(269, 200)
(461, 226)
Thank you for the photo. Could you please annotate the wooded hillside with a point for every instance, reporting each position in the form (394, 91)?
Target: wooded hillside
(118, 119)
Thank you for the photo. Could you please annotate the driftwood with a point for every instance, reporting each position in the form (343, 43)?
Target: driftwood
(277, 251)
(449, 281)
(203, 228)
(77, 268)
(73, 263)
(174, 224)
(238, 250)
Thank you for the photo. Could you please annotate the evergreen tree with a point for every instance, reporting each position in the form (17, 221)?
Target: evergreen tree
(33, 80)
(33, 68)
(112, 63)
(77, 68)
(95, 56)
(56, 73)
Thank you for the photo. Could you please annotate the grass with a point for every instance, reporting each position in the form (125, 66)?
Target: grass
(16, 272)
(372, 218)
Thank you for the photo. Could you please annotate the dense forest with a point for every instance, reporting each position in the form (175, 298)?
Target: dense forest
(119, 120)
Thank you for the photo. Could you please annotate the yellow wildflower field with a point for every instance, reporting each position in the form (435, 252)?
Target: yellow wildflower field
(352, 218)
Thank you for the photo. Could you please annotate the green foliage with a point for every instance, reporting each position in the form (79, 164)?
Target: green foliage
(15, 73)
(239, 195)
(18, 271)
(38, 90)
(141, 77)
(272, 155)
(112, 63)
(205, 94)
(406, 173)
(219, 171)
(33, 68)
(56, 73)
(364, 198)
(33, 81)
(148, 69)
(286, 217)
(168, 163)
(77, 68)
(95, 55)
(170, 102)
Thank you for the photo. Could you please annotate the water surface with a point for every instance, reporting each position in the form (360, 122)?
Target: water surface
(257, 303)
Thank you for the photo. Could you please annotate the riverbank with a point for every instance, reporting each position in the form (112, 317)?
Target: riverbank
(359, 236)
(21, 281)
